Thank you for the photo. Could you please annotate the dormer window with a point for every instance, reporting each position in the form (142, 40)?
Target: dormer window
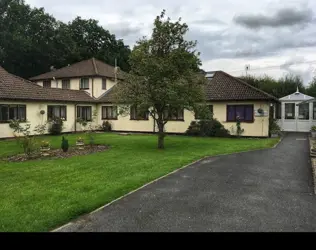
(84, 83)
(47, 84)
(104, 83)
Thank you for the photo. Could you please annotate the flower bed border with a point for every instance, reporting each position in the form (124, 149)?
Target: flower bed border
(59, 154)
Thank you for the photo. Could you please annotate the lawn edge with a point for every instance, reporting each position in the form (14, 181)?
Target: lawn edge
(155, 180)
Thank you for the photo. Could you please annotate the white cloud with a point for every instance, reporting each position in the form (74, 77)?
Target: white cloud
(224, 43)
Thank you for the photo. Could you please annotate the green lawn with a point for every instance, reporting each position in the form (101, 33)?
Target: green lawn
(40, 195)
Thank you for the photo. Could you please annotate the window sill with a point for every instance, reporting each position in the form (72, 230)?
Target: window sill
(112, 119)
(7, 122)
(84, 88)
(139, 119)
(240, 121)
(179, 120)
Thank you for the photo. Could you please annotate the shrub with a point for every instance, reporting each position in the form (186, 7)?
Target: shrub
(274, 127)
(44, 144)
(212, 128)
(240, 130)
(56, 126)
(27, 142)
(106, 126)
(40, 129)
(64, 145)
(193, 129)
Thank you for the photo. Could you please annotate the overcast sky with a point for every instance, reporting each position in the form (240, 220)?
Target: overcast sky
(276, 36)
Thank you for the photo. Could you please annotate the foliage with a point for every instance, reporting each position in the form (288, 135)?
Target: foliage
(106, 126)
(56, 126)
(44, 144)
(40, 129)
(239, 130)
(27, 142)
(311, 89)
(32, 41)
(210, 127)
(164, 74)
(80, 139)
(313, 128)
(277, 87)
(274, 127)
(83, 123)
(64, 144)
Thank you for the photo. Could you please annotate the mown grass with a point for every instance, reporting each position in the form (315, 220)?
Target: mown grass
(40, 195)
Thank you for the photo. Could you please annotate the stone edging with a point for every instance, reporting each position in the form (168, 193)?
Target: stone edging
(313, 161)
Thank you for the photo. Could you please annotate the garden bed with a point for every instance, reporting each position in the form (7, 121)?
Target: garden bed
(59, 154)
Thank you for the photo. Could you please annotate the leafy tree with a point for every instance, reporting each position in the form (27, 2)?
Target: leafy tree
(164, 76)
(311, 89)
(278, 88)
(32, 41)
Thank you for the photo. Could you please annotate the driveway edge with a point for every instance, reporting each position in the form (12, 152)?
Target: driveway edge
(153, 181)
(313, 162)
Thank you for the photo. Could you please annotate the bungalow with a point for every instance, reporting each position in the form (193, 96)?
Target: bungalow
(87, 87)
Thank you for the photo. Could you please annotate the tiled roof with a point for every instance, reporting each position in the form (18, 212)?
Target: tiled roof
(108, 96)
(91, 67)
(16, 88)
(224, 87)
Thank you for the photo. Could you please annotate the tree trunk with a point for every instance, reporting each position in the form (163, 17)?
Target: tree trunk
(161, 135)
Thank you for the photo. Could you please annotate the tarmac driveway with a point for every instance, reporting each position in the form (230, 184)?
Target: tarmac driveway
(266, 190)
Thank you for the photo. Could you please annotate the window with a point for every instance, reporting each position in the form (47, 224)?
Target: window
(314, 110)
(137, 115)
(84, 113)
(12, 112)
(65, 84)
(56, 112)
(47, 84)
(199, 116)
(289, 111)
(174, 114)
(303, 111)
(244, 112)
(109, 112)
(84, 83)
(103, 83)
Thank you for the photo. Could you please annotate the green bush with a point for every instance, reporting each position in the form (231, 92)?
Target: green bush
(274, 128)
(212, 128)
(64, 145)
(106, 126)
(56, 126)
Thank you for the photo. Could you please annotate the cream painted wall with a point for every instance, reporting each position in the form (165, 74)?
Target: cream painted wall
(260, 126)
(97, 89)
(35, 118)
(75, 84)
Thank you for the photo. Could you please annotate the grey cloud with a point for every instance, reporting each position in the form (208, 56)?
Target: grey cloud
(210, 21)
(282, 18)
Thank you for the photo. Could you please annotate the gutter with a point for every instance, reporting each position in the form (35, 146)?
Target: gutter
(92, 87)
(76, 117)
